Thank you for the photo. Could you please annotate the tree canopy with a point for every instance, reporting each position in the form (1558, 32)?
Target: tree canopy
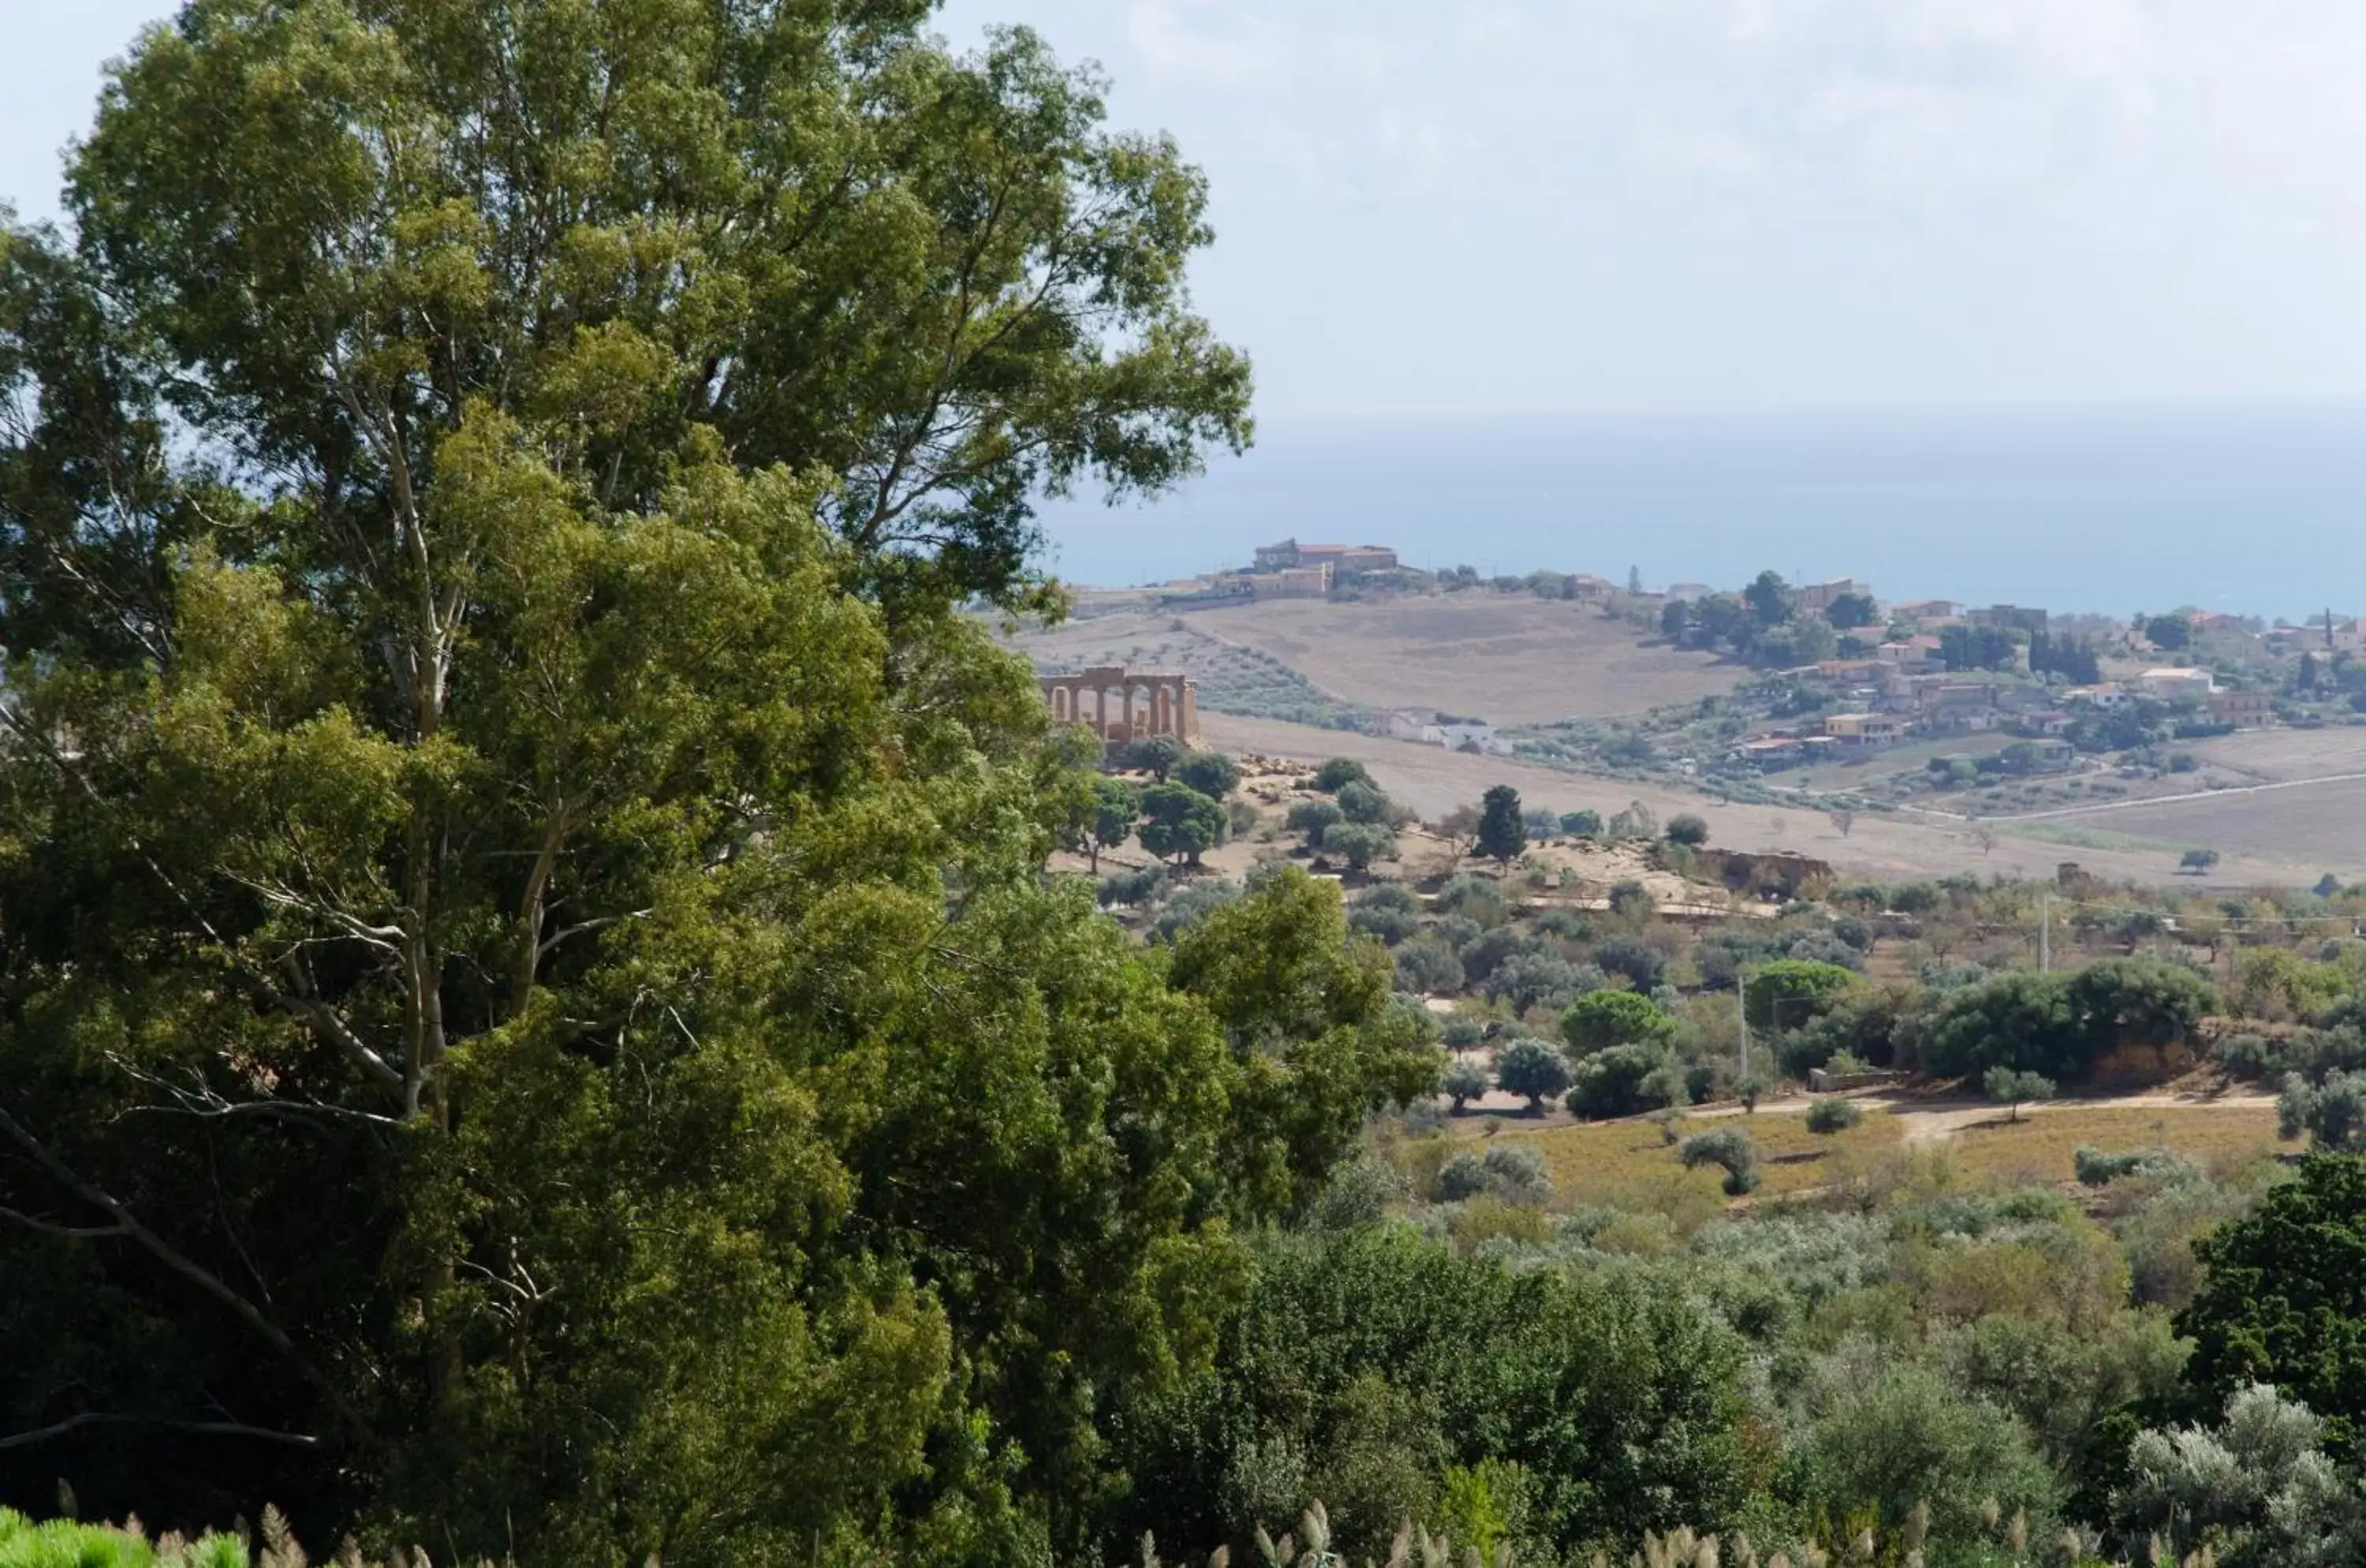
(1503, 832)
(494, 791)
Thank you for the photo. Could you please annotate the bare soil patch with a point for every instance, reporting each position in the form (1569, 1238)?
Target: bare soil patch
(1509, 659)
(1434, 780)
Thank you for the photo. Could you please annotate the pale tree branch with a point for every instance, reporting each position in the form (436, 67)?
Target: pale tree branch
(202, 1428)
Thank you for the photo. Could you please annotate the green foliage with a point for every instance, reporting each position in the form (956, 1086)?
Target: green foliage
(1528, 980)
(1688, 829)
(1389, 912)
(2020, 1020)
(2007, 1086)
(1494, 948)
(1792, 992)
(2100, 1168)
(1532, 1068)
(1603, 1018)
(1479, 899)
(1503, 832)
(1624, 1080)
(1581, 824)
(1644, 966)
(1177, 820)
(1902, 1439)
(1516, 1172)
(1425, 965)
(1363, 803)
(2283, 1295)
(1729, 1148)
(1465, 1081)
(2332, 1113)
(1212, 773)
(1834, 1115)
(1158, 755)
(1131, 887)
(2198, 861)
(1602, 1407)
(1339, 772)
(1360, 844)
(2258, 1485)
(1109, 817)
(1313, 818)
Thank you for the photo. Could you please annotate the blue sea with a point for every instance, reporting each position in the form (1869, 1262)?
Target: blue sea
(2253, 509)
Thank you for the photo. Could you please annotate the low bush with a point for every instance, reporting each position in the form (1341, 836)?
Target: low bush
(1730, 1149)
(1834, 1115)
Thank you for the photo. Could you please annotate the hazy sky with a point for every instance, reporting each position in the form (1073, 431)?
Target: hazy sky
(1670, 204)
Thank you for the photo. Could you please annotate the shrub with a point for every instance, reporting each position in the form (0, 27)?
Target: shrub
(2100, 1168)
(1603, 1018)
(1518, 1172)
(1567, 924)
(1532, 1068)
(1490, 950)
(1729, 1148)
(1581, 824)
(1360, 844)
(1834, 1115)
(1212, 773)
(1386, 921)
(2020, 1019)
(1464, 1176)
(1903, 1439)
(1622, 1081)
(1364, 802)
(1688, 829)
(1474, 897)
(1130, 888)
(2333, 1114)
(1631, 900)
(2008, 1087)
(1539, 979)
(1462, 1032)
(1465, 1081)
(1192, 905)
(1157, 755)
(1793, 991)
(1313, 818)
(1827, 948)
(1338, 773)
(1642, 966)
(1426, 966)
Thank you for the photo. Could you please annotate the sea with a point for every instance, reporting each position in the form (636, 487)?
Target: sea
(2252, 509)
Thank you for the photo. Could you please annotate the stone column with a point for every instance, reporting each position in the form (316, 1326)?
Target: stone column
(1129, 710)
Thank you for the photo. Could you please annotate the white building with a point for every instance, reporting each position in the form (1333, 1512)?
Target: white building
(2176, 684)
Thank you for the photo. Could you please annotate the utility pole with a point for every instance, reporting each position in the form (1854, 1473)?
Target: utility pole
(2045, 933)
(1741, 1019)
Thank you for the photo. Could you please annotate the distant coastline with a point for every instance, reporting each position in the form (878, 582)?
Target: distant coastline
(2252, 508)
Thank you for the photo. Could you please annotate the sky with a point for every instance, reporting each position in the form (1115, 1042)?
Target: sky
(1477, 206)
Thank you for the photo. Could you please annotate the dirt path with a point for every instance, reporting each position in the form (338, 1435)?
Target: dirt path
(1922, 1122)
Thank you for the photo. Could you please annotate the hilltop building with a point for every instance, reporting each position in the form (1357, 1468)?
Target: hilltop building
(1342, 559)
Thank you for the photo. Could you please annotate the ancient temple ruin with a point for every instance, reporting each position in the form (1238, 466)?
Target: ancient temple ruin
(1118, 704)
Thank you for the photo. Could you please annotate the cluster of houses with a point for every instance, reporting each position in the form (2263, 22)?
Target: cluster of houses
(1892, 700)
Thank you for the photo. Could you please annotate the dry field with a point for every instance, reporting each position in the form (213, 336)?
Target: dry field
(1614, 1162)
(2040, 1145)
(1434, 780)
(1628, 1163)
(2276, 755)
(1510, 658)
(2316, 828)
